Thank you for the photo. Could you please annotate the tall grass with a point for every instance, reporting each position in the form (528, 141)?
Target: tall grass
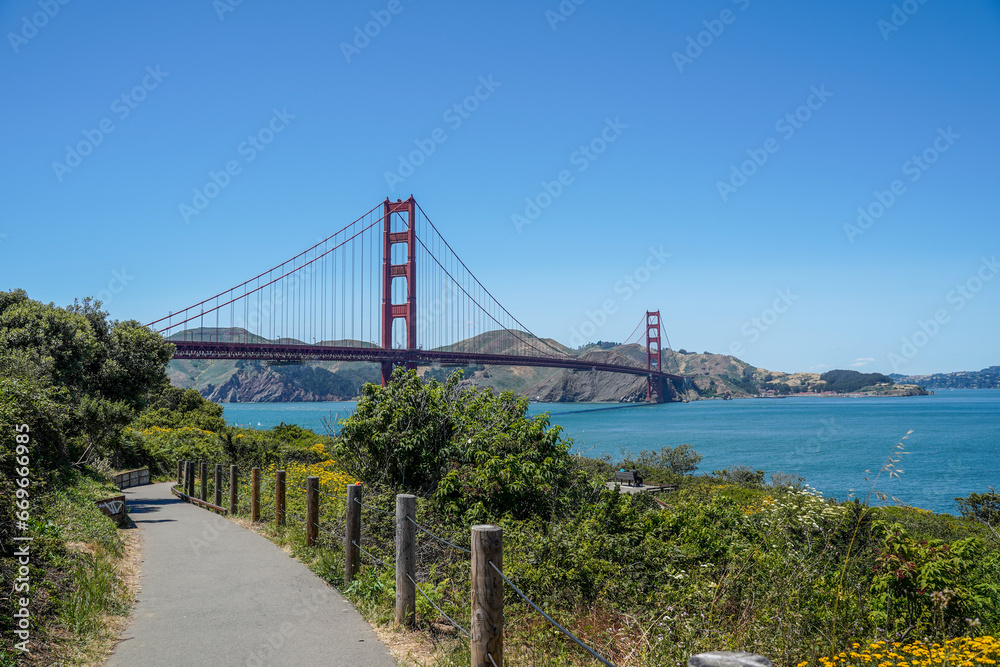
(77, 579)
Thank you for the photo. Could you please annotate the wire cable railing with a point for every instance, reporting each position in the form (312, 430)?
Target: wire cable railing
(439, 539)
(371, 555)
(552, 620)
(374, 509)
(417, 587)
(328, 532)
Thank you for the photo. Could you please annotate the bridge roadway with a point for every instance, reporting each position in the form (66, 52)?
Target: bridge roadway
(304, 353)
(214, 593)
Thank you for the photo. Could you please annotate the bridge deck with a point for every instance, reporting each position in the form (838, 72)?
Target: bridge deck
(270, 352)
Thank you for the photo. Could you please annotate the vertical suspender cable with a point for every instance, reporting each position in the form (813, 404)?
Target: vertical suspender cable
(353, 250)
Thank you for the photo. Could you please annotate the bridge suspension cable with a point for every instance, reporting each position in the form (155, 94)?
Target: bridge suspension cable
(477, 310)
(629, 341)
(386, 288)
(297, 299)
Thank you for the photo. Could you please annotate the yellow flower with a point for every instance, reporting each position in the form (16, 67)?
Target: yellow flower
(961, 651)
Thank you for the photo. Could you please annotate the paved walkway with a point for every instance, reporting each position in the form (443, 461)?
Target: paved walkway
(214, 593)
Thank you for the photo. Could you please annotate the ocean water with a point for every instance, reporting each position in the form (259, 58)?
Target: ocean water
(835, 443)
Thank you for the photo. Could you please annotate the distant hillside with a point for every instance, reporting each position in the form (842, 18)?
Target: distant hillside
(257, 381)
(710, 375)
(988, 378)
(260, 382)
(253, 382)
(565, 385)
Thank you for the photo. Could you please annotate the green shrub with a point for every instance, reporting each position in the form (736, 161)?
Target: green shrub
(741, 474)
(664, 465)
(927, 584)
(478, 454)
(983, 508)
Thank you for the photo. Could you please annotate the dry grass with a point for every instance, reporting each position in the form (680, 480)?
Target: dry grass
(130, 570)
(412, 648)
(93, 650)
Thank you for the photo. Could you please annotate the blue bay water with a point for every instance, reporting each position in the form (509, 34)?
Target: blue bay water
(832, 442)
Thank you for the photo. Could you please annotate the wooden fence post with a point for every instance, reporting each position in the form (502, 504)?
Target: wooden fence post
(487, 596)
(312, 510)
(279, 497)
(233, 498)
(180, 474)
(406, 594)
(189, 479)
(218, 484)
(255, 494)
(352, 533)
(203, 471)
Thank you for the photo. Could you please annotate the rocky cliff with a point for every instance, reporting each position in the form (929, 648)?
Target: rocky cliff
(259, 382)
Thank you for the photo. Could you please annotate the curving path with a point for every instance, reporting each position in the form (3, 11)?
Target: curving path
(214, 593)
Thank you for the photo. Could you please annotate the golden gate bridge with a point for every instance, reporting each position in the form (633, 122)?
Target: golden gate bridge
(387, 289)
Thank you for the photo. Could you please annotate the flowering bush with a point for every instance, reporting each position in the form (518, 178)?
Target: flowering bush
(332, 478)
(958, 652)
(163, 447)
(801, 512)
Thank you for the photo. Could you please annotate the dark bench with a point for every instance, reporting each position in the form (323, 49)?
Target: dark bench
(631, 476)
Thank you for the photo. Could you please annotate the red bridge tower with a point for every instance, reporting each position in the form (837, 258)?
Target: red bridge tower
(405, 212)
(654, 386)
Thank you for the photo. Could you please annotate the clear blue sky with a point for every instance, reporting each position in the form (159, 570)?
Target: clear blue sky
(208, 77)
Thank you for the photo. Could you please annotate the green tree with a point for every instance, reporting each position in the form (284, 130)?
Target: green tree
(843, 382)
(984, 508)
(83, 376)
(477, 453)
(175, 407)
(669, 462)
(741, 474)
